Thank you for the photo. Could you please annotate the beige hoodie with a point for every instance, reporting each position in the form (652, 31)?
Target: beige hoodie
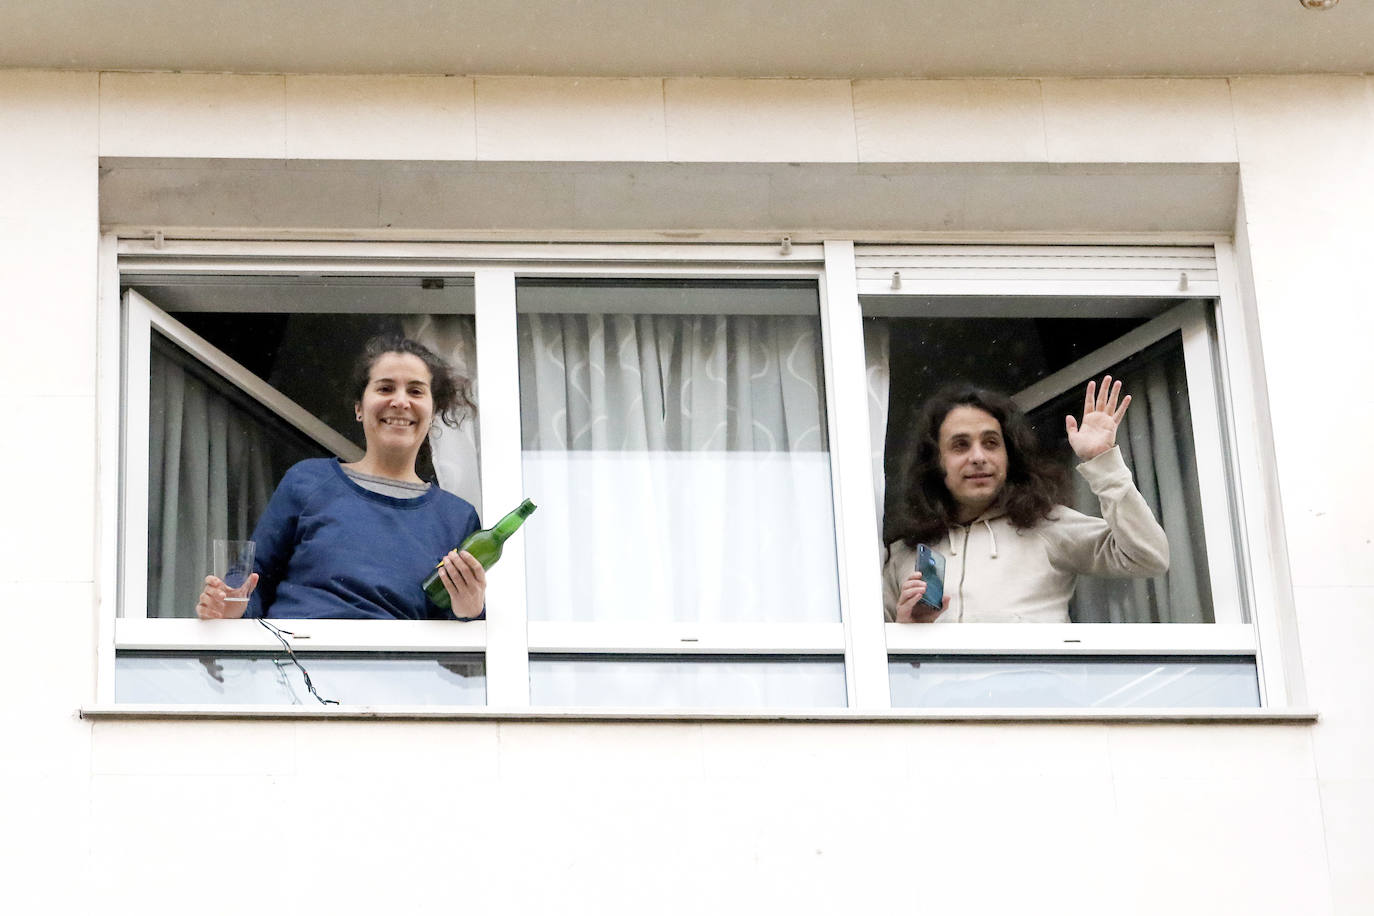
(997, 574)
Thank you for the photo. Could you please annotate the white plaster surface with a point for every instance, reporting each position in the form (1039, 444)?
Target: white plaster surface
(949, 121)
(1138, 120)
(1308, 230)
(543, 118)
(208, 749)
(48, 532)
(48, 227)
(526, 817)
(380, 117)
(711, 120)
(1337, 627)
(1347, 811)
(192, 114)
(1222, 843)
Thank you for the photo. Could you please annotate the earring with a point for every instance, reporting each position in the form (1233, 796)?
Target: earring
(358, 417)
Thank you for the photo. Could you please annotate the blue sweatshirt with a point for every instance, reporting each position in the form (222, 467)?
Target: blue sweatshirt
(327, 547)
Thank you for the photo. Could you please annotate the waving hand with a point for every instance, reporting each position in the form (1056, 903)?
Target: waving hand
(1101, 417)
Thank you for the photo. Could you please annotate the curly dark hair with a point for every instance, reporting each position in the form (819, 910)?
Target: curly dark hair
(925, 511)
(452, 392)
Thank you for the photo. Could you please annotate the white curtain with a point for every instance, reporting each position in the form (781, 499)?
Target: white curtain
(680, 467)
(456, 451)
(209, 477)
(878, 372)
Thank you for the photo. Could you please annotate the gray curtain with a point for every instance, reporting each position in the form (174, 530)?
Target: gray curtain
(210, 476)
(1157, 443)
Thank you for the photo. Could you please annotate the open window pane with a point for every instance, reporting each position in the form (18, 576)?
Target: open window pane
(674, 437)
(1007, 348)
(214, 457)
(1156, 442)
(226, 371)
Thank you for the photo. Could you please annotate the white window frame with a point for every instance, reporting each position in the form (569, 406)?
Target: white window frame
(508, 638)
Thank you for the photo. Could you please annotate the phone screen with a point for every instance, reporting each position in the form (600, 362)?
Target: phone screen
(931, 565)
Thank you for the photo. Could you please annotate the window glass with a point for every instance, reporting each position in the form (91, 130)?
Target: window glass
(1156, 441)
(674, 437)
(687, 683)
(214, 457)
(233, 678)
(1064, 682)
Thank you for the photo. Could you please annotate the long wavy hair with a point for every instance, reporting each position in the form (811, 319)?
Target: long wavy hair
(452, 392)
(926, 510)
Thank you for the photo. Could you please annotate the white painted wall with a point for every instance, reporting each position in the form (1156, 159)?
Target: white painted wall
(527, 817)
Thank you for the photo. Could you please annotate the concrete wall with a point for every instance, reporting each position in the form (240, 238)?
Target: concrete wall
(624, 817)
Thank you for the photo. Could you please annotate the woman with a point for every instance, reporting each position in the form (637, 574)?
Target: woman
(980, 493)
(356, 540)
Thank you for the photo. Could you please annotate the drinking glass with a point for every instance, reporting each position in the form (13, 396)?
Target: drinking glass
(233, 563)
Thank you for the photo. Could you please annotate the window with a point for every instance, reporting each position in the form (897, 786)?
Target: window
(709, 433)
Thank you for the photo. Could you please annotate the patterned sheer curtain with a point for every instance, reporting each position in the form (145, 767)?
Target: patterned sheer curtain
(681, 467)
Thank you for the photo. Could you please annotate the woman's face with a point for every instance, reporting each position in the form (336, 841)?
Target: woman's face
(974, 459)
(397, 406)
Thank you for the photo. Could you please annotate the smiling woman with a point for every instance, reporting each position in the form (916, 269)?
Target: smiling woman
(356, 539)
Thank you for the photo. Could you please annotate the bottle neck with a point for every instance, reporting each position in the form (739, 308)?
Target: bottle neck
(508, 525)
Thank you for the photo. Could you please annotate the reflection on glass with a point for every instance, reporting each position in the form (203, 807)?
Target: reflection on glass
(374, 680)
(674, 438)
(1060, 683)
(687, 683)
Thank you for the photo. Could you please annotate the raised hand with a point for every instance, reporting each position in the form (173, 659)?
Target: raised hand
(1101, 417)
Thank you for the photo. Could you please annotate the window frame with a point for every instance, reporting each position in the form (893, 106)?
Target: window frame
(860, 637)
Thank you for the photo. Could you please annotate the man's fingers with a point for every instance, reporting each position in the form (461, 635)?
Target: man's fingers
(1104, 393)
(1121, 411)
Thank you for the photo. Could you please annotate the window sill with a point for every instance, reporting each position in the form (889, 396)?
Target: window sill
(1288, 716)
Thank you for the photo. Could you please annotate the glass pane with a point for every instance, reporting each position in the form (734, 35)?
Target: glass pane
(371, 680)
(1056, 683)
(687, 683)
(214, 457)
(675, 442)
(1156, 441)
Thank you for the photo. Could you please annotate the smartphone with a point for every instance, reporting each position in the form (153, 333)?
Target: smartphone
(931, 565)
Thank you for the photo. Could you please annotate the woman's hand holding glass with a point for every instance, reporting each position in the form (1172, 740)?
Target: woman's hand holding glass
(219, 601)
(466, 584)
(909, 606)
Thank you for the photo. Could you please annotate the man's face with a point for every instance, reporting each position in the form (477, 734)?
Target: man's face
(974, 459)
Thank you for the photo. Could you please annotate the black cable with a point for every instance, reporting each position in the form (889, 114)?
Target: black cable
(281, 637)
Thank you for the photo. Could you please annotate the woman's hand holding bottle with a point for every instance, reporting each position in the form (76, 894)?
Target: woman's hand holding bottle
(465, 582)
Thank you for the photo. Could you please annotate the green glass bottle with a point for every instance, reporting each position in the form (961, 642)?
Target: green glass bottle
(484, 545)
